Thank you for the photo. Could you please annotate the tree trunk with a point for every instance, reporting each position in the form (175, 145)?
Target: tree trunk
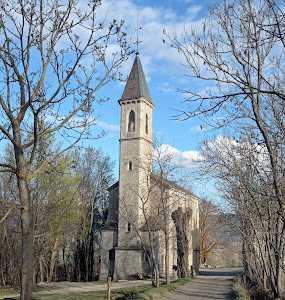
(89, 249)
(279, 281)
(64, 263)
(156, 275)
(27, 241)
(26, 218)
(41, 269)
(87, 257)
(181, 220)
(52, 260)
(167, 257)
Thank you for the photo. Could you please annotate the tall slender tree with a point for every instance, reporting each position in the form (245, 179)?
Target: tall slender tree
(43, 46)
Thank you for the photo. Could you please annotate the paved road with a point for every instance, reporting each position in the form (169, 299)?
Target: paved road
(211, 284)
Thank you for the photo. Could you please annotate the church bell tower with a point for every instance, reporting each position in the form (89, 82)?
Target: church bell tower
(135, 168)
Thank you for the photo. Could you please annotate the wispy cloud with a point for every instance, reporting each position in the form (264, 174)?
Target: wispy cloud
(107, 126)
(198, 128)
(53, 118)
(194, 10)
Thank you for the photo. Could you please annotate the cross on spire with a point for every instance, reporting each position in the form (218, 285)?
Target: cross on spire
(137, 42)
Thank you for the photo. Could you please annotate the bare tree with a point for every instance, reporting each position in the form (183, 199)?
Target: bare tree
(243, 179)
(53, 60)
(96, 171)
(213, 228)
(237, 53)
(165, 170)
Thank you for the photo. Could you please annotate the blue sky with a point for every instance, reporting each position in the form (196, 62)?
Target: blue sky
(162, 67)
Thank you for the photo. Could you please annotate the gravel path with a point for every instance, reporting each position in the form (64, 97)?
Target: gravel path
(211, 284)
(66, 287)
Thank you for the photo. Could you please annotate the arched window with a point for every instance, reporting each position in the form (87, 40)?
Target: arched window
(132, 121)
(130, 165)
(129, 226)
(146, 124)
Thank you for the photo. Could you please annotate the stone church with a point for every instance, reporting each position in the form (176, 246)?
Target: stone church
(143, 207)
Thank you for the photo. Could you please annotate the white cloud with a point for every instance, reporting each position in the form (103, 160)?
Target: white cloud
(153, 20)
(170, 154)
(241, 153)
(156, 55)
(227, 148)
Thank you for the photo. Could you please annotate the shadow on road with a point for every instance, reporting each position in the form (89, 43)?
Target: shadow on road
(222, 272)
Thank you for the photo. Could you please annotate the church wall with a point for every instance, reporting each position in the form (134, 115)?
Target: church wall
(107, 244)
(129, 198)
(128, 263)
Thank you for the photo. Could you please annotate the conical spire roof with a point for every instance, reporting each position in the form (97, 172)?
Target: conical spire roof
(136, 86)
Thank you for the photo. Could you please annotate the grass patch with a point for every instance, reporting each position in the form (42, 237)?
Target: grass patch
(120, 294)
(17, 289)
(100, 295)
(239, 289)
(156, 293)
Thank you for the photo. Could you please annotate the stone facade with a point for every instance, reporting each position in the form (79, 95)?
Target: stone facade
(136, 198)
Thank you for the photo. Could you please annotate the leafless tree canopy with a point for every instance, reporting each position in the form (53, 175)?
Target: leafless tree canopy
(239, 55)
(54, 57)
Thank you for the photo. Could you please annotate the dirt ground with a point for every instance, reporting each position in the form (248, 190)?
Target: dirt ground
(66, 287)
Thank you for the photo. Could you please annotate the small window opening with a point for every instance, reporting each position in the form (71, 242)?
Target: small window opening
(130, 166)
(129, 226)
(146, 124)
(132, 124)
(112, 254)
